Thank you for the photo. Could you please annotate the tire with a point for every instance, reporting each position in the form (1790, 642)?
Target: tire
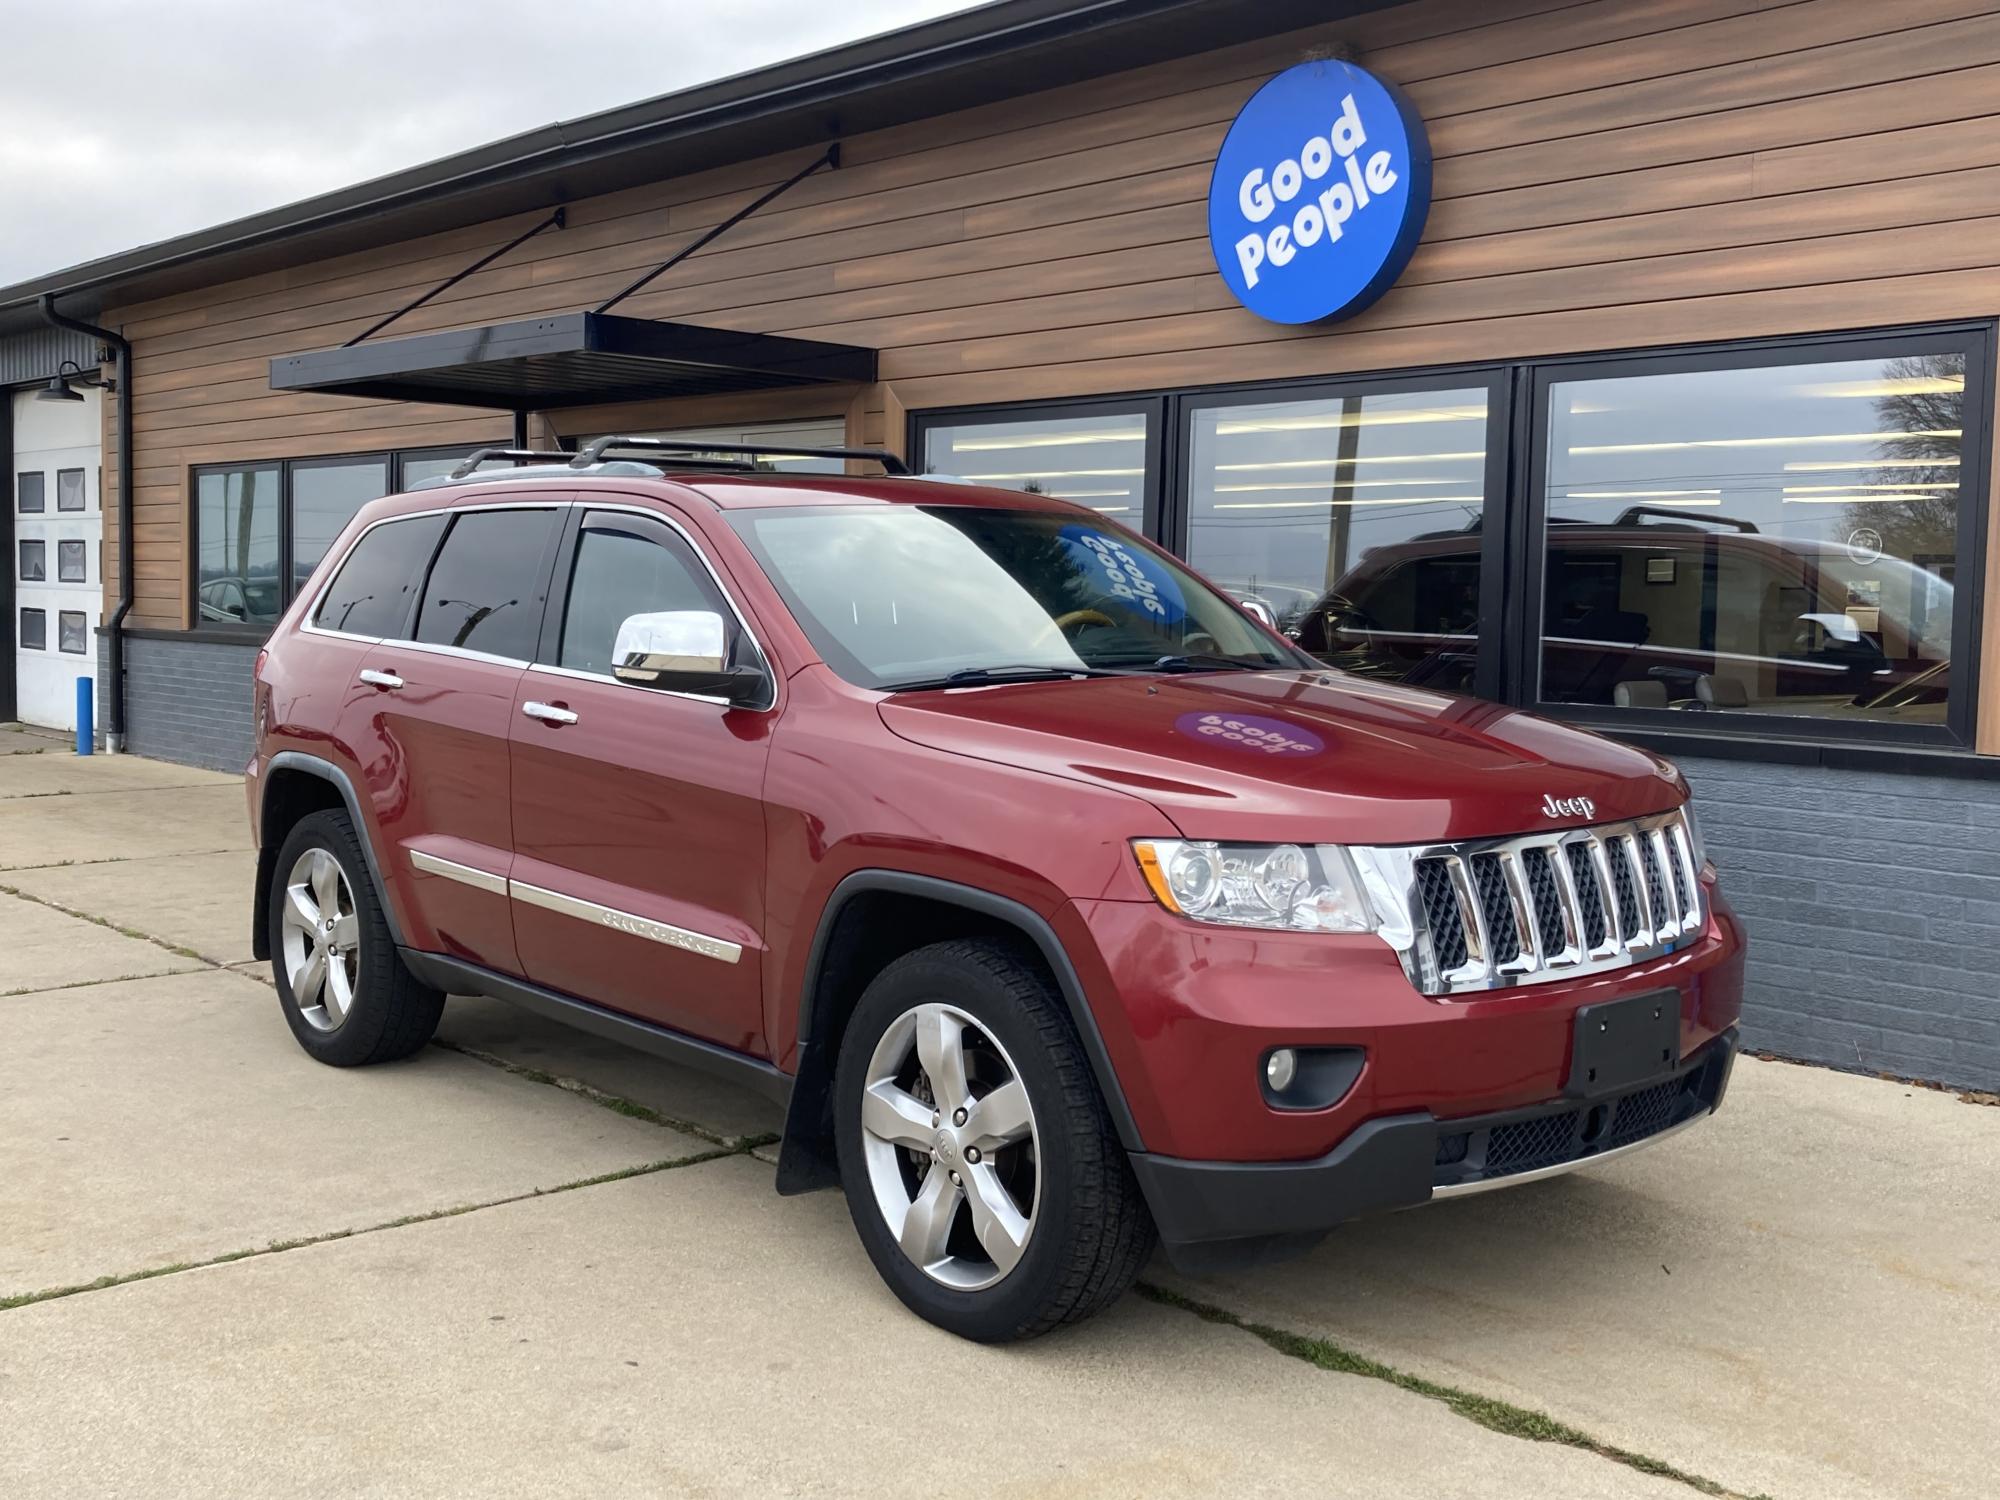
(1082, 1228)
(387, 1012)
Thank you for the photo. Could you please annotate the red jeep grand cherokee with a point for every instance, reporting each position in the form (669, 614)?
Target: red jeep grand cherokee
(1064, 903)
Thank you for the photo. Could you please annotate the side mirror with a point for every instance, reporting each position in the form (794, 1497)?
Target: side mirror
(682, 651)
(1257, 609)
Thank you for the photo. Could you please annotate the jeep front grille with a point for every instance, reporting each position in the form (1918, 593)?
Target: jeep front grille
(1491, 913)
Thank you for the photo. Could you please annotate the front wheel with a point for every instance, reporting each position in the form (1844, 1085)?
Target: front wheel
(979, 1162)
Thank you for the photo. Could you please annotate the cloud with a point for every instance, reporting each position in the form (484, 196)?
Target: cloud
(124, 123)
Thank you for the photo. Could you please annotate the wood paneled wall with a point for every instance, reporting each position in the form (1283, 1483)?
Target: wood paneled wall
(1616, 173)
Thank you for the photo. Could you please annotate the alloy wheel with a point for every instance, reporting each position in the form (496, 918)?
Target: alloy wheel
(322, 939)
(949, 1138)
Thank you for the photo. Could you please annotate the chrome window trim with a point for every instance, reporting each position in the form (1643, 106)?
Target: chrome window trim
(627, 922)
(1389, 874)
(451, 869)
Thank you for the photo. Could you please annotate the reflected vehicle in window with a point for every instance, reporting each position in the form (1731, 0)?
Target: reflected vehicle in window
(1065, 905)
(238, 601)
(1657, 611)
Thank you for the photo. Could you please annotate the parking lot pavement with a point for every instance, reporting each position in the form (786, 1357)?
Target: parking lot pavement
(1801, 1298)
(686, 1332)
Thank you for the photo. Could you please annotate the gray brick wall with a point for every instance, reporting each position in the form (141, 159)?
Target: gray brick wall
(1872, 901)
(187, 701)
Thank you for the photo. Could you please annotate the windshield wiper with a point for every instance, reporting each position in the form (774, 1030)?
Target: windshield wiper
(1196, 661)
(966, 676)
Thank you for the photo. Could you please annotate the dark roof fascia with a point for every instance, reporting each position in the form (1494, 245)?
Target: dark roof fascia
(991, 52)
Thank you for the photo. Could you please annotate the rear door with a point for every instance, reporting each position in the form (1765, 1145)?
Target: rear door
(638, 820)
(436, 714)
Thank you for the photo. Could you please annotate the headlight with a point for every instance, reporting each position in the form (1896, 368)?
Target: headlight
(1298, 888)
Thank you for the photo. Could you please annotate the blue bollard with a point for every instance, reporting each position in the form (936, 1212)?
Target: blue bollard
(86, 736)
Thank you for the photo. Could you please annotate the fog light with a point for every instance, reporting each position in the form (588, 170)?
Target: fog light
(1280, 1068)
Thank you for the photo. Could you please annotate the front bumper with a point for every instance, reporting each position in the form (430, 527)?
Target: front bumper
(1216, 1213)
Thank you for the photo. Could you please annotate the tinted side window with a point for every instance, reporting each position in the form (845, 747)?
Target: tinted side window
(372, 592)
(485, 589)
(620, 573)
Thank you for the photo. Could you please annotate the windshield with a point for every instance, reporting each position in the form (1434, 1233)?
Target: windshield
(909, 596)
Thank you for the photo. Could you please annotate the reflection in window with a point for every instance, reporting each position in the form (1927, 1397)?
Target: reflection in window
(236, 546)
(1356, 520)
(325, 495)
(1777, 540)
(1098, 461)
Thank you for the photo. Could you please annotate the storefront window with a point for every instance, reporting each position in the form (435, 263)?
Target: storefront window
(1780, 540)
(1357, 520)
(237, 579)
(326, 492)
(1100, 460)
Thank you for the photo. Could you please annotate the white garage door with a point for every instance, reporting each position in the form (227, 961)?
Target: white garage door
(58, 553)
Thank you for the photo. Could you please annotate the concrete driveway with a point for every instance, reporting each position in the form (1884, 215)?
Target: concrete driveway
(529, 1263)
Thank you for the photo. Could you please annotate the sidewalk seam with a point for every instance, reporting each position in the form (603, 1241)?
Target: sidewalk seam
(279, 1247)
(1503, 1417)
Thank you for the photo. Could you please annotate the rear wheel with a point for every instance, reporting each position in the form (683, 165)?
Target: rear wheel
(346, 993)
(980, 1165)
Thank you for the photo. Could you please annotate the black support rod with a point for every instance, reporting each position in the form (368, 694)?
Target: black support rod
(830, 159)
(114, 627)
(556, 220)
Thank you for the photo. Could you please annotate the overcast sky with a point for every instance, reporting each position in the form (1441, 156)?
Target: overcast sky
(125, 121)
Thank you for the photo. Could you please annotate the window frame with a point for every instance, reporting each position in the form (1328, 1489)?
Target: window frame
(1154, 410)
(394, 461)
(1512, 567)
(1526, 523)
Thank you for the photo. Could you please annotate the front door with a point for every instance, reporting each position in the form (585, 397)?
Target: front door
(58, 552)
(638, 824)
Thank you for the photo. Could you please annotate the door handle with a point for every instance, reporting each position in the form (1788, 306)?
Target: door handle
(548, 713)
(380, 679)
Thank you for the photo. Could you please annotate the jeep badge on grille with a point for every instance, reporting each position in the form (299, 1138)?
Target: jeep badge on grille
(1567, 807)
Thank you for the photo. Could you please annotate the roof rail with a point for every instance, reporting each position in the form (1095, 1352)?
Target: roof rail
(511, 455)
(1632, 515)
(594, 451)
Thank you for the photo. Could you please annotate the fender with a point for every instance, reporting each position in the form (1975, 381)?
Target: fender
(804, 1163)
(325, 770)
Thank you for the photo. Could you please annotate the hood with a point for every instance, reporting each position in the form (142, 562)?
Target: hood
(1302, 757)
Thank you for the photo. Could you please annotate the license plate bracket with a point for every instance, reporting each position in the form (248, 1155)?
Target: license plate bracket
(1615, 1044)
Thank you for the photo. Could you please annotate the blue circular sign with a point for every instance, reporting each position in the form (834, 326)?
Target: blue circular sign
(1319, 194)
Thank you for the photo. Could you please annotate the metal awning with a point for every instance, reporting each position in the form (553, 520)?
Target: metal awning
(572, 359)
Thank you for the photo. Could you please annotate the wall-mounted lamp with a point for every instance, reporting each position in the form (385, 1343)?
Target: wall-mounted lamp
(71, 373)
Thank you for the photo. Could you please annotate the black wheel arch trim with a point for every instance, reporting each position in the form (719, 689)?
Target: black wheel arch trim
(267, 849)
(804, 1160)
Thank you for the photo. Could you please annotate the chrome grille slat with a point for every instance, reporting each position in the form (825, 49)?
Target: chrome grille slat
(1485, 914)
